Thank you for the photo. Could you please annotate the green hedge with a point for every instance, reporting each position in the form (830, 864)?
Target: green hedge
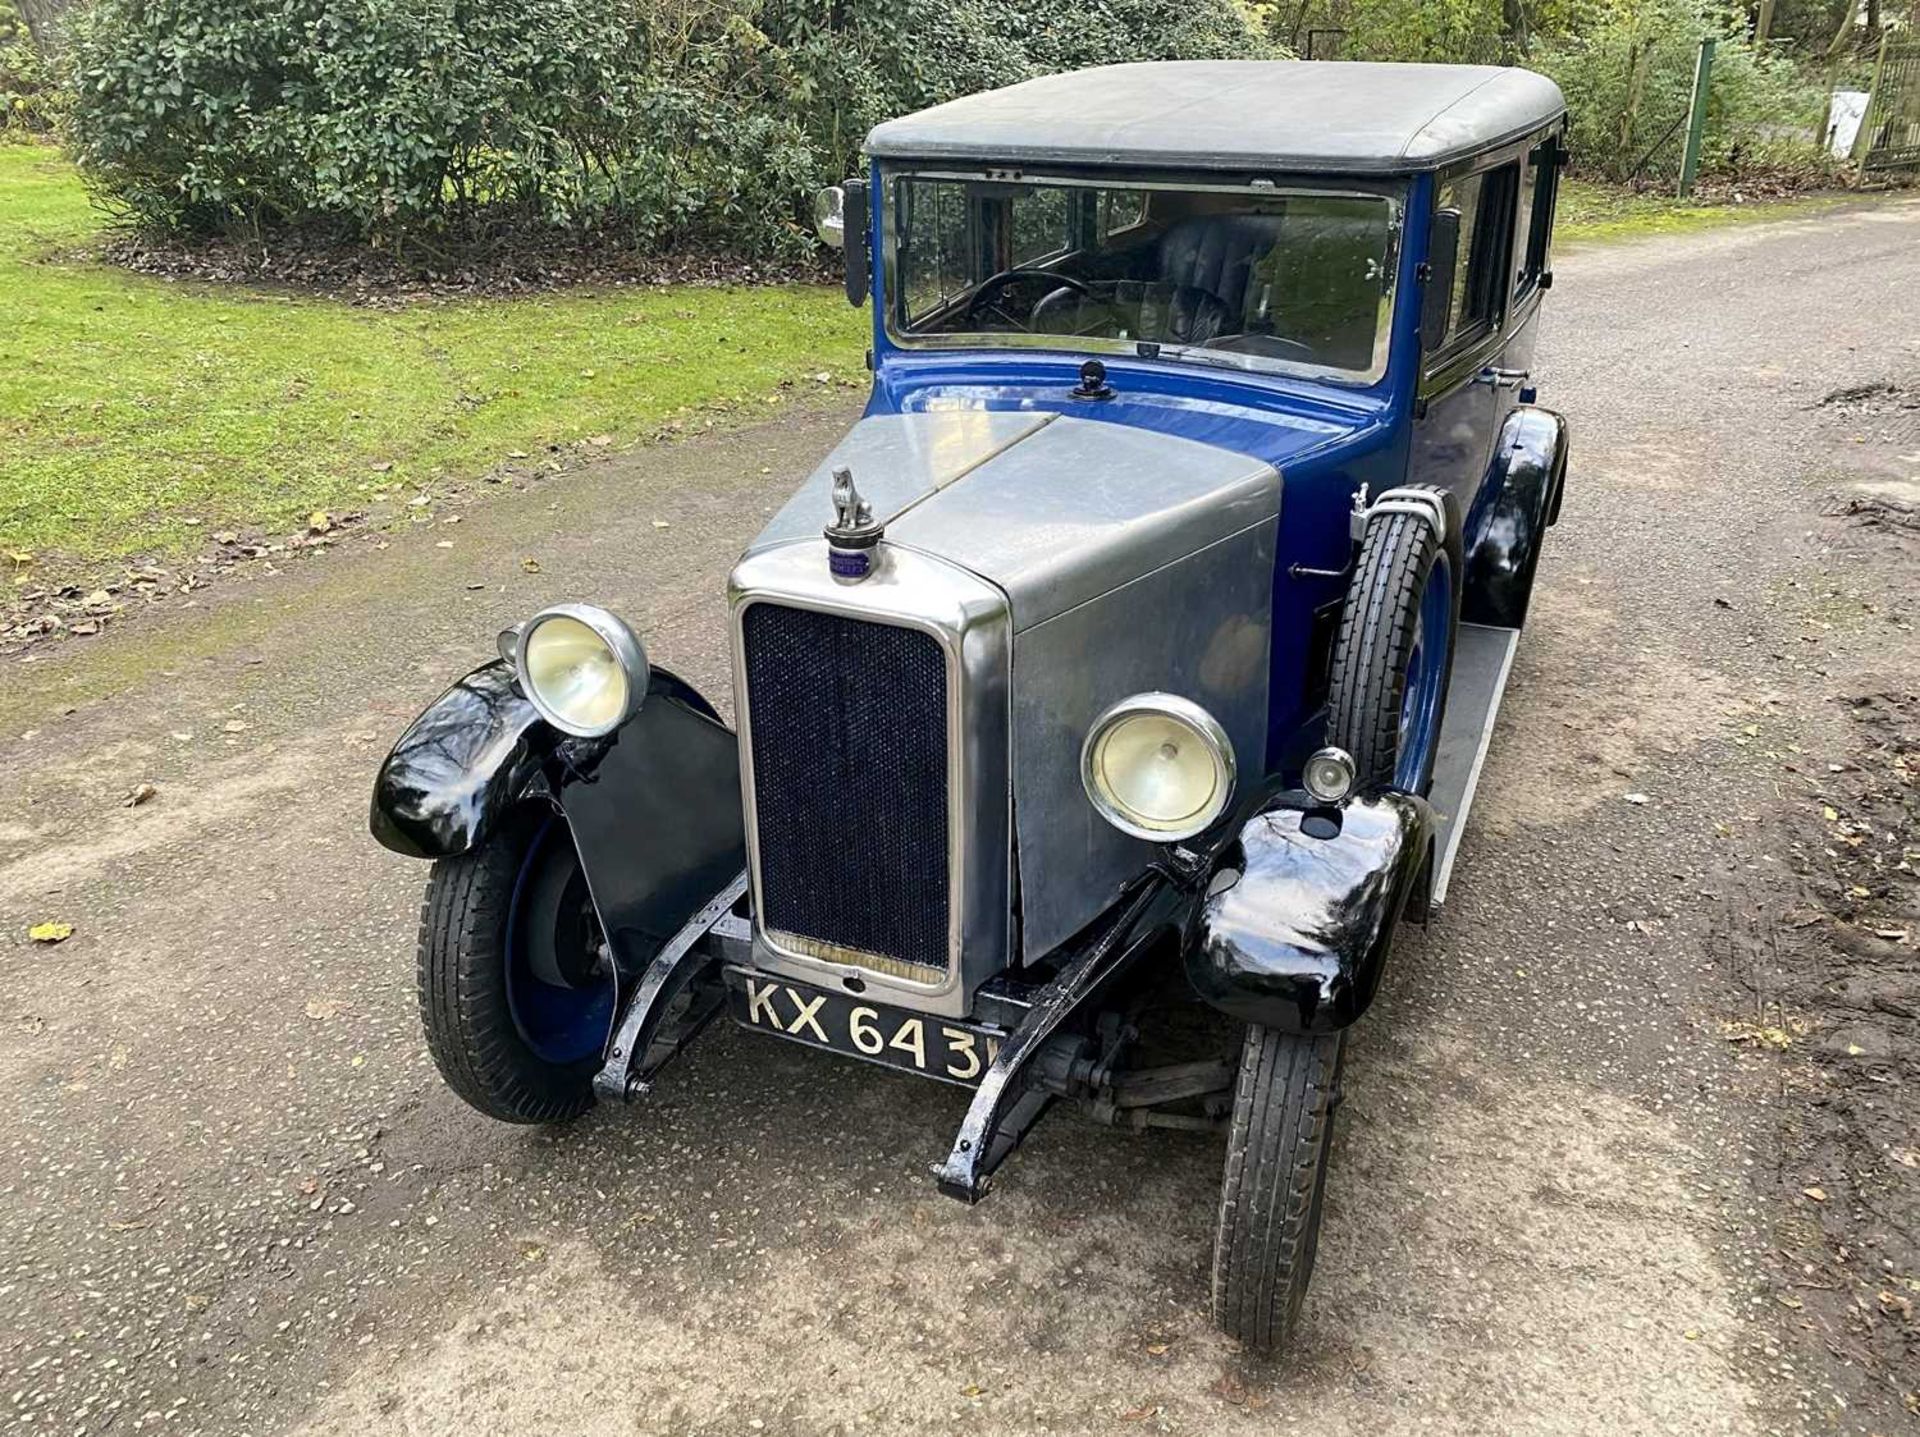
(673, 123)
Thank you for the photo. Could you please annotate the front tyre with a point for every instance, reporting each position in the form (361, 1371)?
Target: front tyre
(516, 986)
(1277, 1149)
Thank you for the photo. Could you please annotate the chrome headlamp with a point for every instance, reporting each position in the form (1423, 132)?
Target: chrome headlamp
(582, 668)
(1158, 766)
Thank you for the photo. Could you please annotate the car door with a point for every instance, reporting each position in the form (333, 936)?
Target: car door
(1466, 384)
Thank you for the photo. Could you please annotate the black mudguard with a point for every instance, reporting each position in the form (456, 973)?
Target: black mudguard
(1295, 928)
(654, 807)
(1531, 473)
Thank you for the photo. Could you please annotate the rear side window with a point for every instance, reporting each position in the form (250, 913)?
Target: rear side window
(1535, 215)
(1485, 203)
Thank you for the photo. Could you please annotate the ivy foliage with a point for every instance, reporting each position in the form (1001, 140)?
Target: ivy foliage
(672, 123)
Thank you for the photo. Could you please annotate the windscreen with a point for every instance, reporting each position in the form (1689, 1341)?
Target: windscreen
(1275, 278)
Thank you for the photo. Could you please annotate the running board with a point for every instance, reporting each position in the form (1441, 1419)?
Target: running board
(1482, 659)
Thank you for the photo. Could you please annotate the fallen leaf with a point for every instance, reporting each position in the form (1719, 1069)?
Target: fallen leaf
(324, 1007)
(661, 524)
(381, 466)
(517, 454)
(1830, 813)
(1158, 1349)
(444, 544)
(50, 932)
(972, 1389)
(227, 536)
(1817, 1194)
(319, 521)
(234, 726)
(531, 566)
(1636, 799)
(140, 793)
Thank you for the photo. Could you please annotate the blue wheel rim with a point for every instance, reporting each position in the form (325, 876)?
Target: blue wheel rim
(1427, 659)
(562, 1023)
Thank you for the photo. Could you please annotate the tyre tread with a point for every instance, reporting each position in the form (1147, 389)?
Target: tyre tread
(1270, 1198)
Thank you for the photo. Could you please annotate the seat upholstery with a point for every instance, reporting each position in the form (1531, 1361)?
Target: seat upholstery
(1217, 253)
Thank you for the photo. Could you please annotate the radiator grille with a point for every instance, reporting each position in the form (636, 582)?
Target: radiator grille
(848, 722)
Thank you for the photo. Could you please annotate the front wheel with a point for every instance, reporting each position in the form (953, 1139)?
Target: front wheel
(1277, 1150)
(516, 983)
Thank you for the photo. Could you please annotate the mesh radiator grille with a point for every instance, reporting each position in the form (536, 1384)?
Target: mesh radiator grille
(849, 754)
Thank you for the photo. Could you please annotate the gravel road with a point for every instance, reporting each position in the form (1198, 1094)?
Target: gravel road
(1571, 1188)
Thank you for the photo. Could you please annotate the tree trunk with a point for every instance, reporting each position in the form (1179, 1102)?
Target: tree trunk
(1637, 57)
(1513, 20)
(43, 22)
(1763, 27)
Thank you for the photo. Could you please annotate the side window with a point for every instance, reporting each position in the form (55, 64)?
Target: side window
(1121, 210)
(1480, 275)
(1463, 196)
(1535, 230)
(936, 242)
(1040, 225)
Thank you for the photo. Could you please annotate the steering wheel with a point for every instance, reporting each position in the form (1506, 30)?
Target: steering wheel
(986, 297)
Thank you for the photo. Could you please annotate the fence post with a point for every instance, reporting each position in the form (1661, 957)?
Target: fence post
(1696, 118)
(1863, 137)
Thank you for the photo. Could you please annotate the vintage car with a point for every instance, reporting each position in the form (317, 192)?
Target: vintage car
(1141, 643)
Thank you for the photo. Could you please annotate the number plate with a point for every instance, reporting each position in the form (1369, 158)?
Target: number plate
(935, 1047)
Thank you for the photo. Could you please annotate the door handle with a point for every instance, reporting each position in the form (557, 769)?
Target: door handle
(1502, 378)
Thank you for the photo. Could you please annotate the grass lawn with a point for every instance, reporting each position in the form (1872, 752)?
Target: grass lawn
(1588, 211)
(129, 405)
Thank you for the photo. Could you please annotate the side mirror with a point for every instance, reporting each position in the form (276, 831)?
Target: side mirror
(830, 216)
(840, 215)
(1443, 256)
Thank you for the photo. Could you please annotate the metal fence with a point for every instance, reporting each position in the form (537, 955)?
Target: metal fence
(1890, 133)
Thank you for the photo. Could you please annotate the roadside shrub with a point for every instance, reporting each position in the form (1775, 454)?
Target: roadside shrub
(1628, 79)
(675, 123)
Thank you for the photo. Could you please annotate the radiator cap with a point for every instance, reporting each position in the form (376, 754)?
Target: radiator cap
(854, 533)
